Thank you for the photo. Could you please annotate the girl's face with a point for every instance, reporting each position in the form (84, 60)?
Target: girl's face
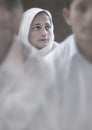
(40, 31)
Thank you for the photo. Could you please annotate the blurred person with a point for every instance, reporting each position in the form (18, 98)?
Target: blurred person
(37, 31)
(23, 78)
(72, 62)
(10, 16)
(11, 52)
(21, 104)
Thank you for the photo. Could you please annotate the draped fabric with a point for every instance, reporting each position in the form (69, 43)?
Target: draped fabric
(74, 86)
(28, 17)
(23, 81)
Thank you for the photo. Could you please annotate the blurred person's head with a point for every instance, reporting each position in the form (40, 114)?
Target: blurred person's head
(78, 15)
(10, 18)
(37, 28)
(67, 3)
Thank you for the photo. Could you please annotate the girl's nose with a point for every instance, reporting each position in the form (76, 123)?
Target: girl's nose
(43, 31)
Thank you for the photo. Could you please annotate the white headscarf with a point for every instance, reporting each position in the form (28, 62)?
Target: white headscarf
(28, 17)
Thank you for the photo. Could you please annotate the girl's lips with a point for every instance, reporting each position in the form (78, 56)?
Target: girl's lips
(43, 39)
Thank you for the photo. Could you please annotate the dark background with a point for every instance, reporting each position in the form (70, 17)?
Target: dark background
(61, 29)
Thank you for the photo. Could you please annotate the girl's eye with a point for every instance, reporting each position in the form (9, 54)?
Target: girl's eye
(36, 27)
(48, 27)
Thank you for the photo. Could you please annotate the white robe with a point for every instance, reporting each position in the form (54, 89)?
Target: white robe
(64, 105)
(74, 87)
(23, 80)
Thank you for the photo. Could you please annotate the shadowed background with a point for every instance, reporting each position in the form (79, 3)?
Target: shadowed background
(61, 29)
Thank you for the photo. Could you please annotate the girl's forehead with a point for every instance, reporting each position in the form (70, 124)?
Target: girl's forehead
(42, 16)
(40, 19)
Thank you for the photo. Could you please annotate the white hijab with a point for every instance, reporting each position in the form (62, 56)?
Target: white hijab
(28, 17)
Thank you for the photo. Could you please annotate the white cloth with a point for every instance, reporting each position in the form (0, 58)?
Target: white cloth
(66, 105)
(74, 87)
(23, 80)
(27, 19)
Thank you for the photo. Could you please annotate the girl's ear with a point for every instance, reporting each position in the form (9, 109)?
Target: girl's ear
(66, 15)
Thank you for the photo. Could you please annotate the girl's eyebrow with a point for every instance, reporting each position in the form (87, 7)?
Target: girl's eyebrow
(37, 24)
